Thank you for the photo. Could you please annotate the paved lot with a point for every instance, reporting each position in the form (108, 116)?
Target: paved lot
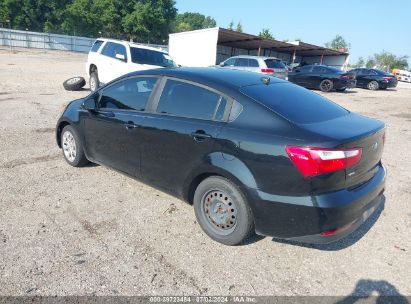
(68, 231)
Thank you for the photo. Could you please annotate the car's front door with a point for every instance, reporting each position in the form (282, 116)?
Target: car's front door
(112, 62)
(179, 136)
(112, 131)
(302, 75)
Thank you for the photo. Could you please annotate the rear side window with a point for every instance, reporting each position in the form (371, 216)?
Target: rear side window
(187, 100)
(128, 94)
(96, 45)
(295, 103)
(274, 64)
(242, 62)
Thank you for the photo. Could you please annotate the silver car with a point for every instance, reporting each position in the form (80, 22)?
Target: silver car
(266, 65)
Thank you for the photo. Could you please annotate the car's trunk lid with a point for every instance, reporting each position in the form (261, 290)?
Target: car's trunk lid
(355, 131)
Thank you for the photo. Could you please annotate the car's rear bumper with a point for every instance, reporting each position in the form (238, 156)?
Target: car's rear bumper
(318, 218)
(389, 84)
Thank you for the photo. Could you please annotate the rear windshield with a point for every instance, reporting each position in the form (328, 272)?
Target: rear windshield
(145, 56)
(295, 103)
(274, 64)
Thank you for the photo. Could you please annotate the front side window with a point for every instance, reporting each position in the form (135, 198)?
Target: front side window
(229, 62)
(305, 69)
(151, 57)
(128, 94)
(112, 49)
(96, 45)
(188, 100)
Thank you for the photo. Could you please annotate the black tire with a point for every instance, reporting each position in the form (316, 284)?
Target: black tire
(326, 85)
(373, 85)
(94, 81)
(74, 83)
(341, 90)
(217, 196)
(76, 158)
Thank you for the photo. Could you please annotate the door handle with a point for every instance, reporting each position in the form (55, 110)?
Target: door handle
(130, 125)
(200, 135)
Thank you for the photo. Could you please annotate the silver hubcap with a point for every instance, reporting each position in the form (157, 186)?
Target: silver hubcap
(373, 85)
(220, 211)
(92, 84)
(73, 80)
(69, 146)
(326, 85)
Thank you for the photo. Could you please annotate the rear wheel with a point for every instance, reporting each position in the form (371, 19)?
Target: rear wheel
(94, 81)
(222, 211)
(326, 85)
(373, 85)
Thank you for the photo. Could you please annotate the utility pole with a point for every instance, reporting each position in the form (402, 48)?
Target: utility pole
(9, 34)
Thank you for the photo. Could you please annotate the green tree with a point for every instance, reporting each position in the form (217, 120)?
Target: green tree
(150, 21)
(192, 21)
(338, 43)
(239, 27)
(266, 33)
(231, 25)
(35, 15)
(370, 63)
(389, 61)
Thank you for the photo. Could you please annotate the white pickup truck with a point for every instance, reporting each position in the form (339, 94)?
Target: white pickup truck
(109, 59)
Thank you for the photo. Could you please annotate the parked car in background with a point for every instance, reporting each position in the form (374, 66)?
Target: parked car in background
(266, 65)
(402, 75)
(251, 152)
(109, 59)
(322, 77)
(374, 79)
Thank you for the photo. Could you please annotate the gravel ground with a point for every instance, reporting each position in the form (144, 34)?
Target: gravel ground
(92, 231)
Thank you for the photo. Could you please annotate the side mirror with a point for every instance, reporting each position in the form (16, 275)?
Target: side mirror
(221, 64)
(89, 104)
(121, 57)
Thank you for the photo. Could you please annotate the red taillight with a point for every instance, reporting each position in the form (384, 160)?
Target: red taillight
(336, 231)
(344, 77)
(268, 71)
(312, 161)
(388, 78)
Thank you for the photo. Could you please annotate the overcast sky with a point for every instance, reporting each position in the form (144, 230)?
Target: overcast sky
(370, 26)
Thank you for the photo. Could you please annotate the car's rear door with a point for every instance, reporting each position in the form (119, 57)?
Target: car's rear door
(112, 134)
(179, 135)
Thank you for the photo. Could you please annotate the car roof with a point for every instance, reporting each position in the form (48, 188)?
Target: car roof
(133, 44)
(212, 76)
(255, 57)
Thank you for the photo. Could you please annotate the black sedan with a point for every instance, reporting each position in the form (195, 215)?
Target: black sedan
(253, 153)
(322, 77)
(374, 79)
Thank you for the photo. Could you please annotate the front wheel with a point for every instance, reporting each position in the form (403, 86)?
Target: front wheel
(373, 85)
(72, 147)
(222, 211)
(326, 85)
(94, 81)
